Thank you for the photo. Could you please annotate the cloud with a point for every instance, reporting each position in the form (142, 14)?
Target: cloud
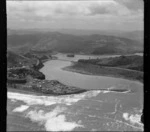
(133, 5)
(108, 7)
(51, 8)
(69, 8)
(99, 8)
(72, 12)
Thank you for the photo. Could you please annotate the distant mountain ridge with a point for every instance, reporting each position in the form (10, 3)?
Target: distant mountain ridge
(134, 35)
(68, 43)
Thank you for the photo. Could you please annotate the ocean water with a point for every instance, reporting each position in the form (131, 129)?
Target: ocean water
(95, 110)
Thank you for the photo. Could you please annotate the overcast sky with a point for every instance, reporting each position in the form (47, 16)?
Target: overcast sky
(98, 14)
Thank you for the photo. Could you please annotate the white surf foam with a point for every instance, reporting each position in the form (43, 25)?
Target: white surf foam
(21, 108)
(46, 100)
(52, 121)
(134, 119)
(13, 100)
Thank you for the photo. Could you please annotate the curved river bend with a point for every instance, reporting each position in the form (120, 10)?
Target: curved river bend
(95, 110)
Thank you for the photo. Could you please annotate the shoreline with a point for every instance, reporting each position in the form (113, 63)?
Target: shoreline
(9, 89)
(46, 88)
(42, 94)
(23, 91)
(83, 69)
(87, 70)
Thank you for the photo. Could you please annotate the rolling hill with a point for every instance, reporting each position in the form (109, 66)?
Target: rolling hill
(133, 62)
(134, 35)
(67, 43)
(18, 60)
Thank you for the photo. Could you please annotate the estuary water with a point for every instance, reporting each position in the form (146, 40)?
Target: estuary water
(95, 110)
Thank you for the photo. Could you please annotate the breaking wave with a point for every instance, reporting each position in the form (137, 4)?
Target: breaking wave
(45, 100)
(133, 119)
(21, 108)
(50, 100)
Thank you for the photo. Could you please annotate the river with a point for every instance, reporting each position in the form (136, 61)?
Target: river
(95, 110)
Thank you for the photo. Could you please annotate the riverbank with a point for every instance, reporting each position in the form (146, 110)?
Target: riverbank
(90, 69)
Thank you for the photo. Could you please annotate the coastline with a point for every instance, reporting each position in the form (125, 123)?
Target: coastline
(11, 89)
(41, 86)
(87, 69)
(46, 87)
(104, 71)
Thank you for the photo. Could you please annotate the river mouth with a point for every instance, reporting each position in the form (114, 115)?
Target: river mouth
(116, 105)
